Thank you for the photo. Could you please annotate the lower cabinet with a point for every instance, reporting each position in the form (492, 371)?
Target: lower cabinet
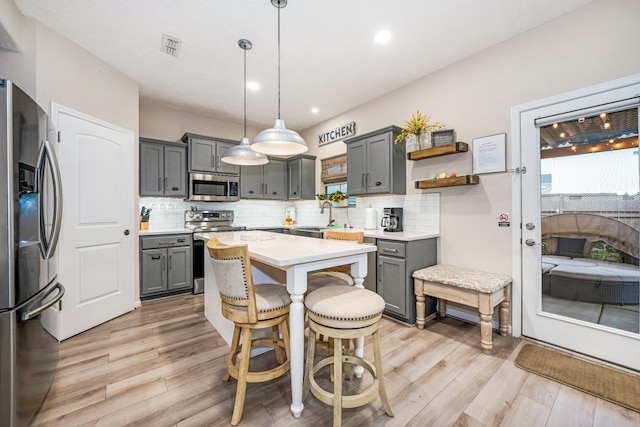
(397, 261)
(165, 264)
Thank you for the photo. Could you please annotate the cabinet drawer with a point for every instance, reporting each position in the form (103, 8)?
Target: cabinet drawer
(166, 241)
(390, 248)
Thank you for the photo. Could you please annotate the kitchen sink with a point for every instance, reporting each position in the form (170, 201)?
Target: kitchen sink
(308, 231)
(312, 228)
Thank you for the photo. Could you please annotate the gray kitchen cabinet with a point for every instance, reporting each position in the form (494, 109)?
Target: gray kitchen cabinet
(165, 264)
(205, 154)
(397, 261)
(301, 177)
(163, 170)
(263, 182)
(375, 165)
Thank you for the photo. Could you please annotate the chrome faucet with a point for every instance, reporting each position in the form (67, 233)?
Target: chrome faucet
(324, 205)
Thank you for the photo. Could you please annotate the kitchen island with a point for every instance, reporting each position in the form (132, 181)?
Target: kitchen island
(285, 259)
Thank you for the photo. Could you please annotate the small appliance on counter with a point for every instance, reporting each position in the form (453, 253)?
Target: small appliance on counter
(391, 219)
(204, 222)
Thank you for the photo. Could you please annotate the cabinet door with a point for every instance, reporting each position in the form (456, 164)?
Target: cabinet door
(202, 155)
(356, 168)
(378, 179)
(251, 182)
(391, 284)
(179, 268)
(294, 174)
(274, 179)
(221, 148)
(153, 273)
(175, 174)
(151, 170)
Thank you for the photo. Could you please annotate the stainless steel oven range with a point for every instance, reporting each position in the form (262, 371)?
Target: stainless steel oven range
(205, 222)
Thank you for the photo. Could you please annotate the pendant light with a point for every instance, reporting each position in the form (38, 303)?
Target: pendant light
(278, 140)
(242, 154)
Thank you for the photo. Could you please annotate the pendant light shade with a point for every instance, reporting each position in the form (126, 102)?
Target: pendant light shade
(278, 140)
(242, 154)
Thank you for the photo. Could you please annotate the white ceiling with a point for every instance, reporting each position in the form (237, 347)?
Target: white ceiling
(329, 59)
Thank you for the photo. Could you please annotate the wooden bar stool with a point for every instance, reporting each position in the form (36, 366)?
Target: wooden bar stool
(249, 307)
(344, 312)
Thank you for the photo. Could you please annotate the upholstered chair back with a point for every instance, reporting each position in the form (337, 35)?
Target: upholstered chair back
(232, 271)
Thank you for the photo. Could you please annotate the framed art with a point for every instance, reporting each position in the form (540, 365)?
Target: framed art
(489, 154)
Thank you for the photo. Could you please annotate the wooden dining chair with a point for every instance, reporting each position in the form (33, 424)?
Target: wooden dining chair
(249, 306)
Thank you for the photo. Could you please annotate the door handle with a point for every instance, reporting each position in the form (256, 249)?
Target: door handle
(159, 183)
(166, 183)
(49, 243)
(531, 242)
(33, 313)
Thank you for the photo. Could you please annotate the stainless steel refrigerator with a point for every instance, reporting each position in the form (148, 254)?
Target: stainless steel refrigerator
(30, 211)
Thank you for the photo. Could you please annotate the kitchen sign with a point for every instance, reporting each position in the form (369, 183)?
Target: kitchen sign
(337, 134)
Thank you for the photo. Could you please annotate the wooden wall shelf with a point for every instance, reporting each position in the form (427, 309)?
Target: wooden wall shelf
(443, 150)
(447, 182)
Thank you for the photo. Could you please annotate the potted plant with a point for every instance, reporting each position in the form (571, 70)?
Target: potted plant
(418, 130)
(338, 198)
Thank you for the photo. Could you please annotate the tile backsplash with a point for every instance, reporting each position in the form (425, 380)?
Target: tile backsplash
(421, 211)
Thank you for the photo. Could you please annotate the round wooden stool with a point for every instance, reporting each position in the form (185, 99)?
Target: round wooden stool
(344, 312)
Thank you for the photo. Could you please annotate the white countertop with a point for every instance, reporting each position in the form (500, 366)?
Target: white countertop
(404, 236)
(283, 250)
(165, 231)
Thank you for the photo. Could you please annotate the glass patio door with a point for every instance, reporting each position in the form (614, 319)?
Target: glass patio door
(580, 225)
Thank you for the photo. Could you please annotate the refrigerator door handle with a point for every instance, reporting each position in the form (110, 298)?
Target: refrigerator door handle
(45, 294)
(49, 243)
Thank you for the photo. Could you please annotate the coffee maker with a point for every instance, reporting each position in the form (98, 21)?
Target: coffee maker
(391, 219)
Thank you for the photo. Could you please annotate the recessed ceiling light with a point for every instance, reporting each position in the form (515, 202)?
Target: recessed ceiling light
(253, 86)
(314, 110)
(383, 37)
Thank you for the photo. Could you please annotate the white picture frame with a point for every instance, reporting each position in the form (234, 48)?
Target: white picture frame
(489, 154)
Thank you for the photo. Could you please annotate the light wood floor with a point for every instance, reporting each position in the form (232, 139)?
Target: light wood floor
(162, 364)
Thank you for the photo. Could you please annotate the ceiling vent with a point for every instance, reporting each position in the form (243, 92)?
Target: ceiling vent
(170, 45)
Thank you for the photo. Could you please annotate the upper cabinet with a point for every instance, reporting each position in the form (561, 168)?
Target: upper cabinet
(205, 154)
(301, 177)
(163, 170)
(264, 182)
(375, 165)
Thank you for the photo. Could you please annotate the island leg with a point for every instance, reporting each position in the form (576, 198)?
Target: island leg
(358, 343)
(296, 332)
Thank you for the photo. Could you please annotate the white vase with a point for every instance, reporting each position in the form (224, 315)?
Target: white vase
(418, 142)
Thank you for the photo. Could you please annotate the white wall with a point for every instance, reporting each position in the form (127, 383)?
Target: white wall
(588, 46)
(169, 124)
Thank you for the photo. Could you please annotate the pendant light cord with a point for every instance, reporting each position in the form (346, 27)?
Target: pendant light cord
(245, 92)
(279, 61)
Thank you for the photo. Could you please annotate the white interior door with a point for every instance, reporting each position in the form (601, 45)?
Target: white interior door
(556, 301)
(96, 246)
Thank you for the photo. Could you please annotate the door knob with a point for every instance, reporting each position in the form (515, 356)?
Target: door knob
(531, 242)
(126, 232)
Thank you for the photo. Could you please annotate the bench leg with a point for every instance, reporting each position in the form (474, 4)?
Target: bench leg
(418, 288)
(504, 312)
(486, 315)
(442, 307)
(420, 310)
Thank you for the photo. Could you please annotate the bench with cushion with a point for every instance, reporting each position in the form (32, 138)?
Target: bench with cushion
(474, 288)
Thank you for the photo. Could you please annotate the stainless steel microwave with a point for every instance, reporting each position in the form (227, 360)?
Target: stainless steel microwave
(208, 187)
